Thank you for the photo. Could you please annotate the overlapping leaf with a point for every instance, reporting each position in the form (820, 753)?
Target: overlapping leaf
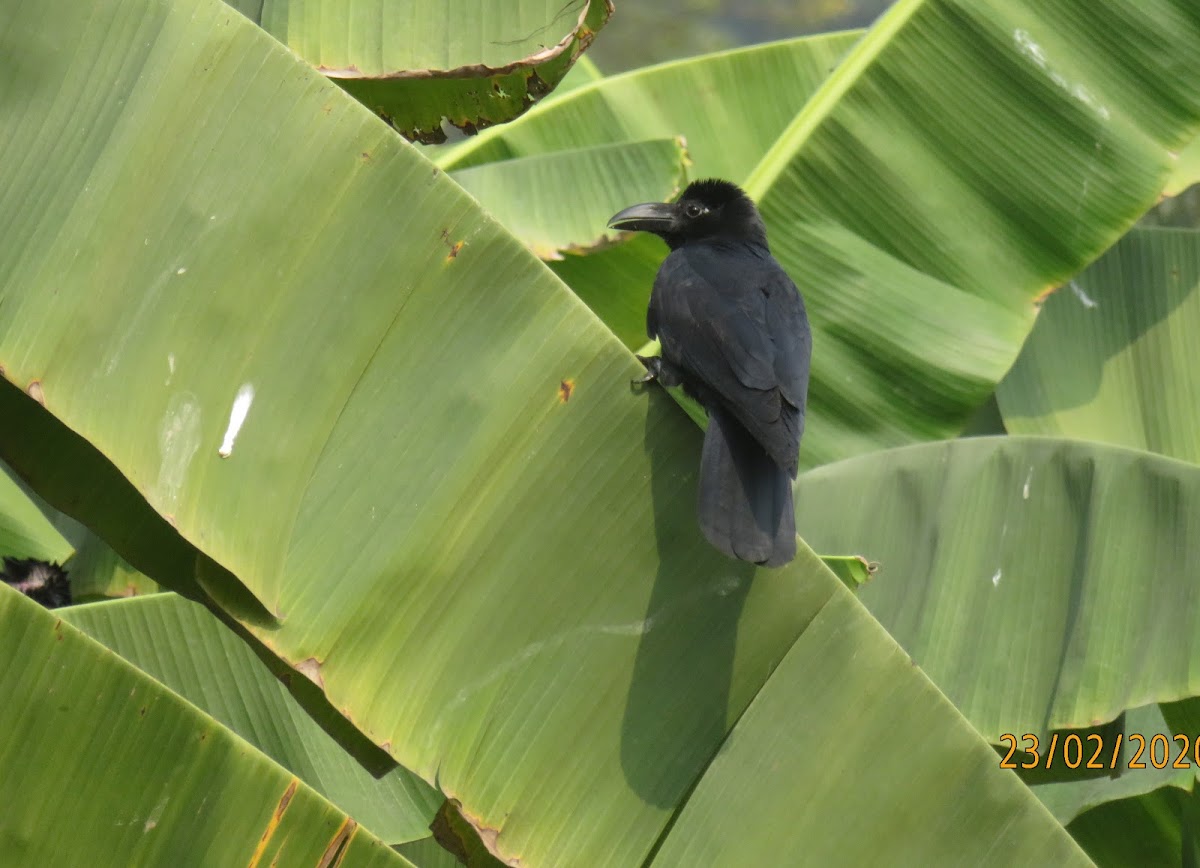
(473, 64)
(1186, 171)
(416, 447)
(1041, 583)
(964, 159)
(25, 532)
(96, 571)
(1136, 764)
(103, 766)
(725, 136)
(562, 201)
(842, 692)
(183, 646)
(1113, 355)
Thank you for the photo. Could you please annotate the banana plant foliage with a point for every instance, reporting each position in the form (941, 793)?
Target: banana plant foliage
(104, 766)
(963, 160)
(420, 65)
(324, 390)
(1044, 582)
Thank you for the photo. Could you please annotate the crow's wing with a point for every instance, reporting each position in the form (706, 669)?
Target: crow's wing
(735, 324)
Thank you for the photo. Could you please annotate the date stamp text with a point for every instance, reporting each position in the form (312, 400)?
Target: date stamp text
(1092, 751)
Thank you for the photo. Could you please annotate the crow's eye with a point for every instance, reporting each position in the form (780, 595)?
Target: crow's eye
(693, 210)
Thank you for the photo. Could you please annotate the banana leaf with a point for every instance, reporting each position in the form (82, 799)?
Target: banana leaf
(104, 766)
(417, 63)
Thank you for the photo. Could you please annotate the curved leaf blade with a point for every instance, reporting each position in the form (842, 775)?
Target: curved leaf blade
(725, 137)
(409, 517)
(562, 201)
(1021, 140)
(141, 776)
(1187, 169)
(495, 575)
(183, 646)
(843, 691)
(417, 63)
(25, 531)
(1112, 357)
(1041, 583)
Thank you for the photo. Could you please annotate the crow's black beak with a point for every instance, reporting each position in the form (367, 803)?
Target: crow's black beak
(650, 217)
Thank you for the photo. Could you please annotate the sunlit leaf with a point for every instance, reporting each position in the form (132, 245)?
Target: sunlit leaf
(417, 63)
(1043, 584)
(25, 532)
(186, 648)
(103, 766)
(562, 201)
(842, 691)
(415, 447)
(1113, 355)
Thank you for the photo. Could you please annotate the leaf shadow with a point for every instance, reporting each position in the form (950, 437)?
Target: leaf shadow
(1135, 287)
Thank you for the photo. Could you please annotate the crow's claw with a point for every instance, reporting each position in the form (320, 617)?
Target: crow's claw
(657, 368)
(653, 366)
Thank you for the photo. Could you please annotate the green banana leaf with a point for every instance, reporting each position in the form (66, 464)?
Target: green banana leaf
(1042, 583)
(66, 470)
(703, 98)
(96, 571)
(185, 647)
(427, 853)
(25, 531)
(1077, 791)
(854, 571)
(562, 201)
(498, 579)
(584, 71)
(31, 528)
(104, 766)
(964, 159)
(615, 283)
(1187, 169)
(1159, 828)
(725, 137)
(845, 691)
(1112, 357)
(418, 63)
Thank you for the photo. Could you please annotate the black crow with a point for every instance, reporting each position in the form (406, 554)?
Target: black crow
(735, 335)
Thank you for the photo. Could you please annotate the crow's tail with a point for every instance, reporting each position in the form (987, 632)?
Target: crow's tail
(745, 498)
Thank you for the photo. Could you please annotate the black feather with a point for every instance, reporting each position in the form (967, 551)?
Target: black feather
(744, 500)
(733, 327)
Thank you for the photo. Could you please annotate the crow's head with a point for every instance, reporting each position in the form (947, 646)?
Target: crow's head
(711, 209)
